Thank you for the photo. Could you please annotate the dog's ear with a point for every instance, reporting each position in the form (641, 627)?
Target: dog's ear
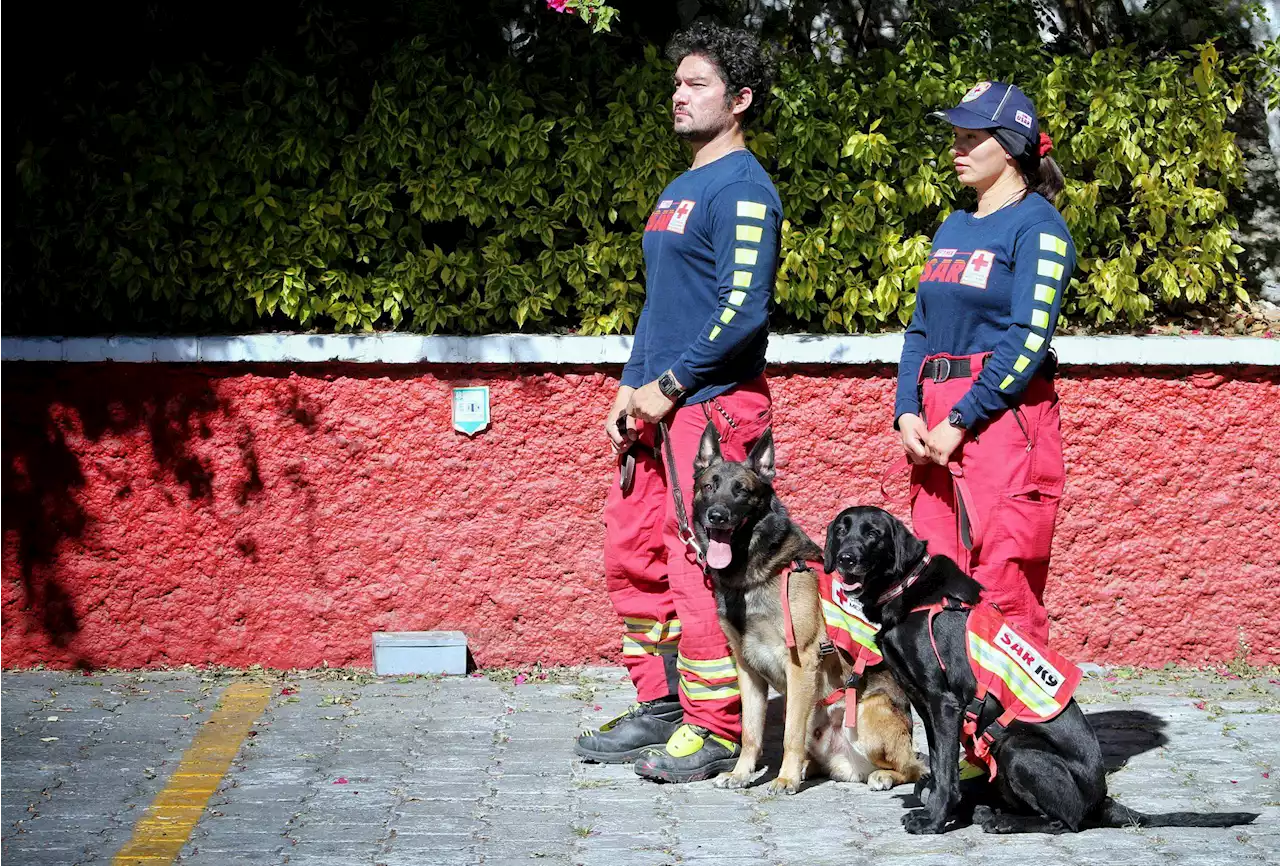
(708, 449)
(761, 457)
(905, 545)
(831, 550)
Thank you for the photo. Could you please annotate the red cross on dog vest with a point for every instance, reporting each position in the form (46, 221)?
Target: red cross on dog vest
(1032, 682)
(846, 630)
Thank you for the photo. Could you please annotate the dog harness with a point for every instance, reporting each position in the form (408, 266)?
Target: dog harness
(846, 630)
(1031, 682)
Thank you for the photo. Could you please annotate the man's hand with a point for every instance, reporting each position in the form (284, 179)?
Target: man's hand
(619, 410)
(914, 436)
(943, 441)
(650, 404)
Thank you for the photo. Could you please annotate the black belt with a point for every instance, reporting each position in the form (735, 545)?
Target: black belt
(942, 369)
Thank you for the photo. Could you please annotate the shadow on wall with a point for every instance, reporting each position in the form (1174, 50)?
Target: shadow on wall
(43, 477)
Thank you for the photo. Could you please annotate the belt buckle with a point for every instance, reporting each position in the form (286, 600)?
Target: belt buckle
(941, 369)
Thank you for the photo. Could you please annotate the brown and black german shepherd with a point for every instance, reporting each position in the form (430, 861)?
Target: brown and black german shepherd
(750, 540)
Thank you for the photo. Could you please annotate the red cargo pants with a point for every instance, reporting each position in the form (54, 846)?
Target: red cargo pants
(672, 638)
(993, 507)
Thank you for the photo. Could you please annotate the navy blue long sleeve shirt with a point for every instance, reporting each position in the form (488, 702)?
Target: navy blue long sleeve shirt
(992, 284)
(711, 256)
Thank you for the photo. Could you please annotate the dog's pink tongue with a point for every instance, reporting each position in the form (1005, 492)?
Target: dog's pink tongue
(719, 553)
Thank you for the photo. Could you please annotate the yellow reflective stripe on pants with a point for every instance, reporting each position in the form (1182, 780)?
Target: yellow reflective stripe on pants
(633, 647)
(707, 669)
(650, 629)
(701, 692)
(650, 637)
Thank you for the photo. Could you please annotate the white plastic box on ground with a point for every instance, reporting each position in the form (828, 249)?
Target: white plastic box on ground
(419, 652)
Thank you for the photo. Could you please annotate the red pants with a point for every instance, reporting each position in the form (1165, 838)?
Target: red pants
(993, 508)
(672, 638)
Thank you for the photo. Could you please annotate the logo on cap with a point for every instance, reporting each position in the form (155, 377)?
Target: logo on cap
(977, 90)
(1023, 118)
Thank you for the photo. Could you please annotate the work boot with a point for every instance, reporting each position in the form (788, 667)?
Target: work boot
(643, 726)
(691, 755)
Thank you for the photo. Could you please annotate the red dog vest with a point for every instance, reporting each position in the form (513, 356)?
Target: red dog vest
(1032, 682)
(846, 630)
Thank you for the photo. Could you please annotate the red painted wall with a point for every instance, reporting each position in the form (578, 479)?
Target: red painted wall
(160, 515)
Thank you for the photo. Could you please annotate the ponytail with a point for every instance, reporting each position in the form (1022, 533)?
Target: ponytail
(1039, 170)
(1045, 178)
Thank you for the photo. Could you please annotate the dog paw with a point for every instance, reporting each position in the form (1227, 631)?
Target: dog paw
(783, 785)
(983, 814)
(920, 823)
(734, 781)
(997, 824)
(881, 780)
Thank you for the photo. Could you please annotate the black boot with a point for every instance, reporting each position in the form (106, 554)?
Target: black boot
(691, 755)
(643, 726)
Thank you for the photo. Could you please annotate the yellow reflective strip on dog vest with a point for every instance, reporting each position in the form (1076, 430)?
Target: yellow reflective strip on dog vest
(1011, 676)
(846, 628)
(1033, 680)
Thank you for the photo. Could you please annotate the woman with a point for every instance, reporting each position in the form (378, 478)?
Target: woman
(976, 406)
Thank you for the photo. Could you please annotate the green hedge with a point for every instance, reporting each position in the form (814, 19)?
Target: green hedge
(467, 196)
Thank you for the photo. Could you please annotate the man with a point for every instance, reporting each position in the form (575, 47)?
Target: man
(711, 255)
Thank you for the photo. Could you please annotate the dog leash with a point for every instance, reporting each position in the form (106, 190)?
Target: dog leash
(682, 518)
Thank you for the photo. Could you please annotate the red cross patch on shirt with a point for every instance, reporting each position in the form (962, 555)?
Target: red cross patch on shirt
(682, 216)
(978, 270)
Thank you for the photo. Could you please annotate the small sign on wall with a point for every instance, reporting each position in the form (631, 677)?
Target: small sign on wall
(471, 409)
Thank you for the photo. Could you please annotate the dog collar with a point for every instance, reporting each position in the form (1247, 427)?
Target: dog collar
(901, 586)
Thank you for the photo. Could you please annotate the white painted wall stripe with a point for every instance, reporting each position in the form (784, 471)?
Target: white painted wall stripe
(784, 349)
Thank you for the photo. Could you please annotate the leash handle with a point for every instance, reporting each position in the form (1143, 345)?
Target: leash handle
(902, 464)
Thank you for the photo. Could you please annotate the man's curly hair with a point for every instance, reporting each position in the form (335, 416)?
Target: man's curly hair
(737, 55)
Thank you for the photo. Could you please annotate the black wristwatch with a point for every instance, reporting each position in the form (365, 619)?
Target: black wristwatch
(669, 387)
(955, 419)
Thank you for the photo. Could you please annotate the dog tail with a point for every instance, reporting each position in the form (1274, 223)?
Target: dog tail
(1113, 814)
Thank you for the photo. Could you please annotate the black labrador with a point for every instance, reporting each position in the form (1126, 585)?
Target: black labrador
(1051, 775)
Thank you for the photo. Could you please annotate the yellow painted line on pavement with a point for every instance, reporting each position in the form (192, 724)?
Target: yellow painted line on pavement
(160, 834)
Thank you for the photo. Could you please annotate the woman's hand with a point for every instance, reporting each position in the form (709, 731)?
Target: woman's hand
(914, 437)
(942, 442)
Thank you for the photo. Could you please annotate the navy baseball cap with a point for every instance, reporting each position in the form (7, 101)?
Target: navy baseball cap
(995, 105)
